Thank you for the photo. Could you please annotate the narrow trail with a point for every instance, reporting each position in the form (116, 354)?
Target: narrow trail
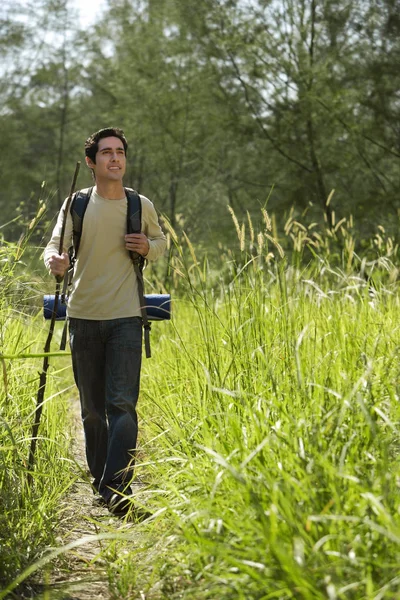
(81, 574)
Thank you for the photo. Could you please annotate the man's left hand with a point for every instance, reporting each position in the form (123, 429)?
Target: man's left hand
(137, 242)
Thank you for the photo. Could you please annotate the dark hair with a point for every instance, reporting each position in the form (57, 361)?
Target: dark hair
(92, 143)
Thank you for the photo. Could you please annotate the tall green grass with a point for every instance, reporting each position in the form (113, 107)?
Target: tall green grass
(271, 427)
(29, 514)
(269, 424)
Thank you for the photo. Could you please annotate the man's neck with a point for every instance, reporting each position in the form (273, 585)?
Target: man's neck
(111, 190)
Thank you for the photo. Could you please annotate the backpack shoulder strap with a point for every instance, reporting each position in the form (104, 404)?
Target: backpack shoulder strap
(134, 220)
(134, 225)
(78, 208)
(79, 203)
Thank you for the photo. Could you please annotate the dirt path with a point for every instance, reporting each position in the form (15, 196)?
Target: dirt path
(81, 573)
(84, 576)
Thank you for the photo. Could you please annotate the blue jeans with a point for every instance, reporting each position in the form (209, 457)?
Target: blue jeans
(106, 359)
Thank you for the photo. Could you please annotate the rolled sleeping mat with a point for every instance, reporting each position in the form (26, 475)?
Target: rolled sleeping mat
(158, 307)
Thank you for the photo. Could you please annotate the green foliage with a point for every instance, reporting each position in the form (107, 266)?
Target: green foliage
(270, 407)
(221, 102)
(271, 433)
(29, 513)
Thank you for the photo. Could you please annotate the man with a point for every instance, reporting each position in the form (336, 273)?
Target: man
(104, 316)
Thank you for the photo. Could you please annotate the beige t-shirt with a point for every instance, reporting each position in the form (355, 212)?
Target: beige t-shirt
(104, 284)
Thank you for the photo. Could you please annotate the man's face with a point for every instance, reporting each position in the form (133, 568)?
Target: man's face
(110, 160)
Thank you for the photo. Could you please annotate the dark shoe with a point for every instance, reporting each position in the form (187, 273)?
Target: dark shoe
(119, 505)
(98, 500)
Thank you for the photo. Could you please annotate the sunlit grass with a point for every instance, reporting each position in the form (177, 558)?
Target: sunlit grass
(29, 513)
(269, 424)
(271, 431)
(283, 428)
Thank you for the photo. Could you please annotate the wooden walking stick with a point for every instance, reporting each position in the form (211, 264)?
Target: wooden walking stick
(43, 374)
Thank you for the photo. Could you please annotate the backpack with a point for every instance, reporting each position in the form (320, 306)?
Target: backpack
(78, 208)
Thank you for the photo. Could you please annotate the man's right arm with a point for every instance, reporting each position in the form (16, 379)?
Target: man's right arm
(57, 263)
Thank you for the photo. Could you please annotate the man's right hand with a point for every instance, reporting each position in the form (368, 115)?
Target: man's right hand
(59, 264)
